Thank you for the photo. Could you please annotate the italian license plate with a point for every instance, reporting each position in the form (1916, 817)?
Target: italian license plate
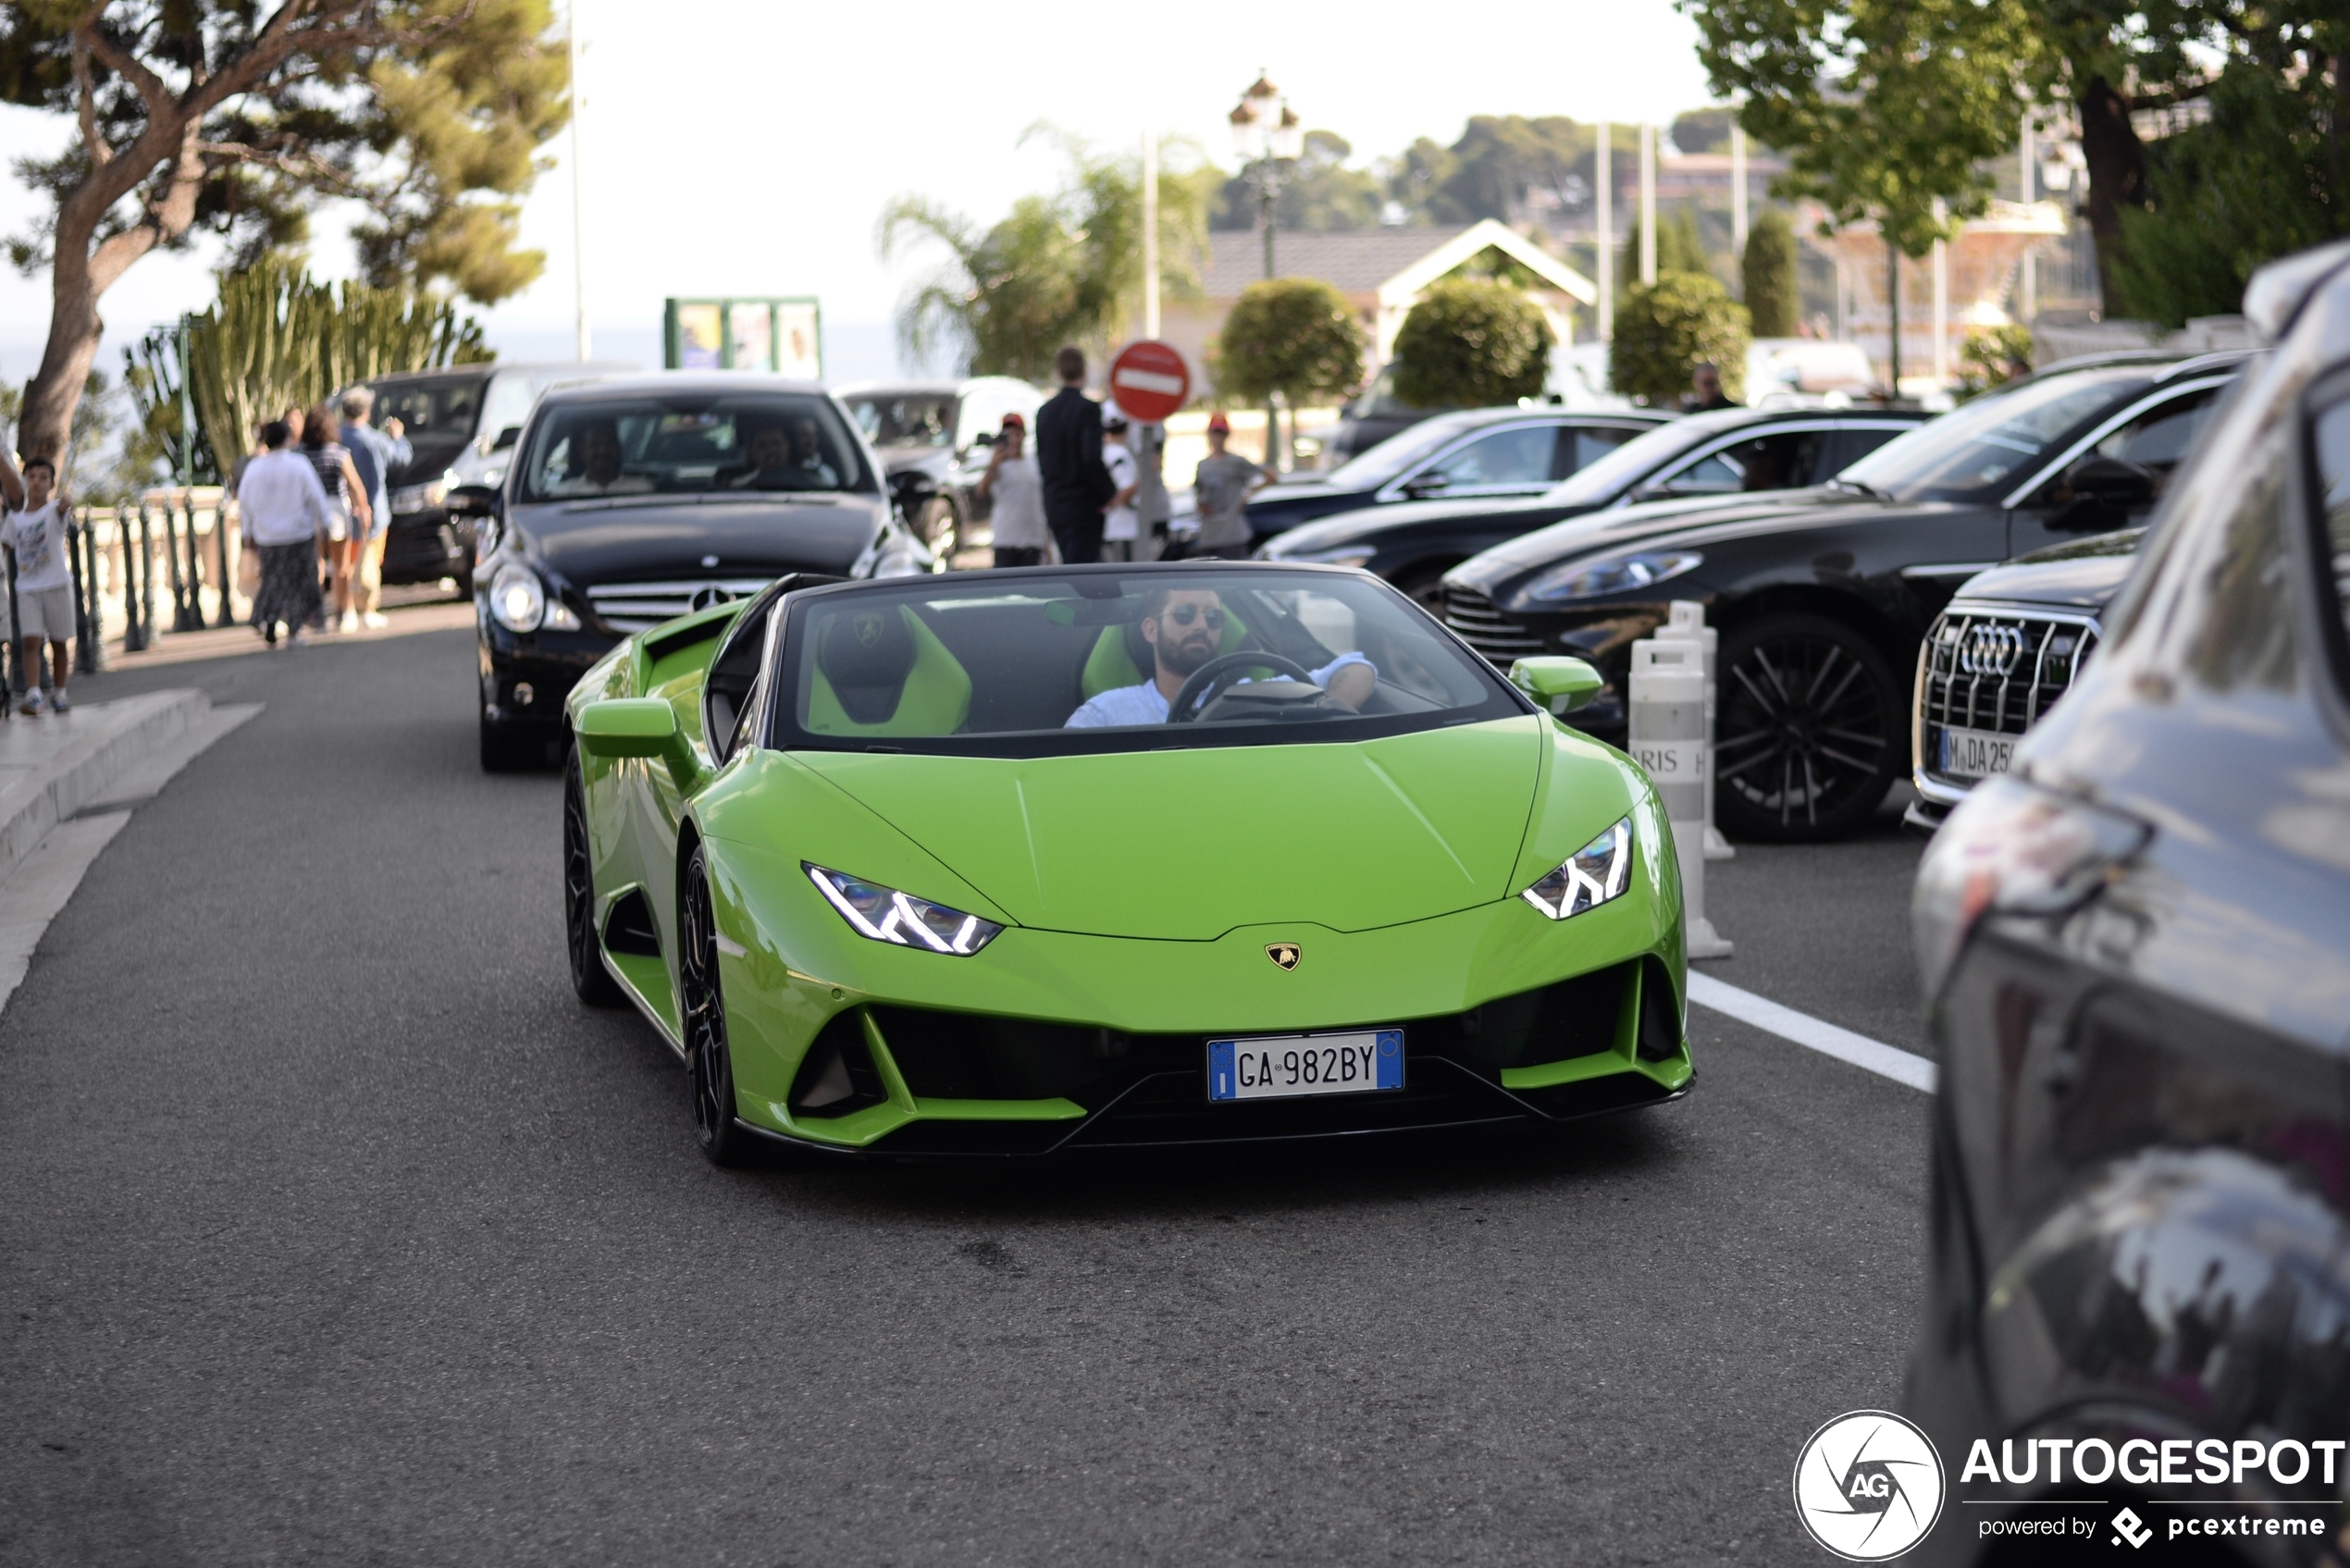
(1976, 754)
(1281, 1067)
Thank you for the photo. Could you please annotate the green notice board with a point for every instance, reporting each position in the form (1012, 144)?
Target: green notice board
(782, 334)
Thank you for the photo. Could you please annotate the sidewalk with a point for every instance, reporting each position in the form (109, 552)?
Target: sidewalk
(67, 784)
(438, 612)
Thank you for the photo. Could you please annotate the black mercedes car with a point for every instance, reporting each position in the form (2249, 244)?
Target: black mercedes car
(1481, 454)
(1717, 454)
(1823, 595)
(2135, 951)
(634, 500)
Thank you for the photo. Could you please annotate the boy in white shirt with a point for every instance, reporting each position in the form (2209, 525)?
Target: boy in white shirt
(36, 537)
(1120, 519)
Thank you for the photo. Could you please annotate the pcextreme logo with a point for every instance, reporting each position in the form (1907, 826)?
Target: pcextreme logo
(1868, 1486)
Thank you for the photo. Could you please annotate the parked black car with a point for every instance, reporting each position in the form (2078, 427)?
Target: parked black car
(634, 500)
(2135, 948)
(1823, 595)
(1486, 454)
(460, 421)
(1718, 454)
(2011, 642)
(932, 439)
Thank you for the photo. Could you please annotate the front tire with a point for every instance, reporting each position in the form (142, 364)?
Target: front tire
(708, 1063)
(1808, 732)
(589, 980)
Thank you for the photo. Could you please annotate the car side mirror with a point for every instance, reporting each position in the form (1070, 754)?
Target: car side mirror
(627, 726)
(1424, 485)
(1557, 682)
(472, 500)
(2111, 481)
(506, 438)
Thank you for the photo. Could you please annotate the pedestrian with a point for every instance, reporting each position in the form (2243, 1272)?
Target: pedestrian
(1222, 485)
(1015, 498)
(1068, 462)
(1120, 519)
(285, 515)
(35, 536)
(1706, 393)
(374, 455)
(349, 515)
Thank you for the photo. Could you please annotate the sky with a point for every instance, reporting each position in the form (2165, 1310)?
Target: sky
(740, 146)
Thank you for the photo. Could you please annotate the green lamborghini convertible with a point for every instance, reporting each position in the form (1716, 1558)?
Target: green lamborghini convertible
(1016, 862)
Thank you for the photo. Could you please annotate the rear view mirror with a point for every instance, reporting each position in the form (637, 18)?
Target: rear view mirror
(2114, 481)
(1558, 683)
(472, 500)
(627, 726)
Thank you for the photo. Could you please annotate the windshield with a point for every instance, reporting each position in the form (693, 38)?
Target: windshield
(691, 443)
(446, 410)
(904, 419)
(1369, 470)
(1629, 464)
(1056, 663)
(1990, 443)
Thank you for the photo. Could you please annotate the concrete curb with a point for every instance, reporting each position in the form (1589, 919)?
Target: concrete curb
(109, 738)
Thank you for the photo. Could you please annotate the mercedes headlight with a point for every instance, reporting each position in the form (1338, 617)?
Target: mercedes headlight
(1595, 873)
(519, 602)
(1617, 573)
(884, 914)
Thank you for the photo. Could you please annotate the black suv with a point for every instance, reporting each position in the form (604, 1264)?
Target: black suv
(2135, 949)
(1823, 595)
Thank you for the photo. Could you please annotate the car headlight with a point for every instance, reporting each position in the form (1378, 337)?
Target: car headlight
(518, 599)
(1595, 873)
(884, 914)
(422, 497)
(1342, 555)
(1618, 574)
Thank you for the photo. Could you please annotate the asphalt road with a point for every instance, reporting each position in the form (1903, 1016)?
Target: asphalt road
(336, 1232)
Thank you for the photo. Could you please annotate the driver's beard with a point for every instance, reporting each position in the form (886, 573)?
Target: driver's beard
(1187, 655)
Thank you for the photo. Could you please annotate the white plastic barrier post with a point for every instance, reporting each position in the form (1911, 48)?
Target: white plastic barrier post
(1668, 738)
(1687, 623)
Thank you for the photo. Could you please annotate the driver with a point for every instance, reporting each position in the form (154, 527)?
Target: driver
(768, 449)
(1185, 627)
(594, 466)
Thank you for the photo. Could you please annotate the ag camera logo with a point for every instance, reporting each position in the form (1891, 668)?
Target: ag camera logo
(1868, 1486)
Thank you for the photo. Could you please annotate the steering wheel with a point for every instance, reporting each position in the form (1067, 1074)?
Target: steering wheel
(1222, 671)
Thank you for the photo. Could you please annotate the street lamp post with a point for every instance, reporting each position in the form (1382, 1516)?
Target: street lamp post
(1267, 133)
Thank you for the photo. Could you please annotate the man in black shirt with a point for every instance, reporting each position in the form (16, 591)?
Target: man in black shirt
(1068, 462)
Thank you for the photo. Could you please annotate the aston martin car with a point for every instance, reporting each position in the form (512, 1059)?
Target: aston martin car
(1010, 863)
(1824, 594)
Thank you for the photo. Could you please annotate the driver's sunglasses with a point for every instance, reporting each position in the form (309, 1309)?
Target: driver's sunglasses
(1184, 614)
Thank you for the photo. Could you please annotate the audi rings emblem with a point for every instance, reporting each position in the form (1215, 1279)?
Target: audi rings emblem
(1991, 650)
(709, 594)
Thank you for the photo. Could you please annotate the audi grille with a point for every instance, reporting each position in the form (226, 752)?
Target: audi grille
(1996, 672)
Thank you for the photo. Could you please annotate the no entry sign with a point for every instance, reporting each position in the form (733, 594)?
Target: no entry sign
(1149, 381)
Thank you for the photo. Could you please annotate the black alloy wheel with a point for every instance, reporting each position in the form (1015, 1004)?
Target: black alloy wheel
(1807, 731)
(589, 979)
(708, 1066)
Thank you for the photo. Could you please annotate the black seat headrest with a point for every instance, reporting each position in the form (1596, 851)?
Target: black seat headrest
(866, 654)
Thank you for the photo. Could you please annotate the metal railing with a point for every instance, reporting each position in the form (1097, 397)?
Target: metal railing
(138, 570)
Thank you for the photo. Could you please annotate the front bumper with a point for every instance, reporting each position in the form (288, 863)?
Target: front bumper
(1053, 1042)
(527, 675)
(424, 546)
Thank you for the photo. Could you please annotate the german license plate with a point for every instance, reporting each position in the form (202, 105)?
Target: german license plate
(1282, 1067)
(1976, 754)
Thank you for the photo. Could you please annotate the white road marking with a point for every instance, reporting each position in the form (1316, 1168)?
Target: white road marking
(1886, 1061)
